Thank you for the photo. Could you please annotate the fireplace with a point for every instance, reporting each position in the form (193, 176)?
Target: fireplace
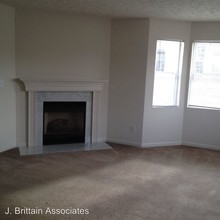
(63, 122)
(62, 90)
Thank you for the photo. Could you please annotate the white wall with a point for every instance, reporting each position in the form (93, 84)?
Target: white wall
(202, 126)
(163, 126)
(7, 74)
(61, 46)
(129, 39)
(50, 44)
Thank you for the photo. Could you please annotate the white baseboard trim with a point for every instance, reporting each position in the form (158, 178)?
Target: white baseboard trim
(119, 141)
(161, 144)
(199, 145)
(144, 145)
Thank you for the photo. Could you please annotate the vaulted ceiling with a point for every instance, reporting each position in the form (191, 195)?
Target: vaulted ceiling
(188, 10)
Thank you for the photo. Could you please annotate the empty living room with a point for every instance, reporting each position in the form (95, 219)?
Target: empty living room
(110, 109)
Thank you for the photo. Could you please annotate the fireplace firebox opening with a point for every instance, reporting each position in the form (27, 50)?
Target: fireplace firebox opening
(64, 122)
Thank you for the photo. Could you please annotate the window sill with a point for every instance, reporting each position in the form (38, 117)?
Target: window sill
(202, 107)
(165, 106)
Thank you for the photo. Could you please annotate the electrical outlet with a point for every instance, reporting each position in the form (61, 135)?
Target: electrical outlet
(1, 83)
(132, 128)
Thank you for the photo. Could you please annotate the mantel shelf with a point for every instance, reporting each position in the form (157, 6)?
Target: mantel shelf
(62, 85)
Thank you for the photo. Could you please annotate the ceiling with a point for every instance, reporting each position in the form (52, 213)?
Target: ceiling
(188, 10)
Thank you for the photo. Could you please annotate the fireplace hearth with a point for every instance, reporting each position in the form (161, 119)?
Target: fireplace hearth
(64, 122)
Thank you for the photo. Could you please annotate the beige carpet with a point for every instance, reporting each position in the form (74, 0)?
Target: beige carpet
(124, 183)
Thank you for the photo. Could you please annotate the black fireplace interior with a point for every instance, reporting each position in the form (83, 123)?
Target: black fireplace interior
(64, 122)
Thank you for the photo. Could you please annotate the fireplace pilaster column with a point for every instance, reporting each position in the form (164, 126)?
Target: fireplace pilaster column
(95, 116)
(31, 119)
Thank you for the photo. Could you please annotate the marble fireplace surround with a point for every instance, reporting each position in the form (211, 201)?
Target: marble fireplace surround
(40, 90)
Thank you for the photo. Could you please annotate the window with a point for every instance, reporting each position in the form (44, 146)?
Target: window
(168, 64)
(160, 60)
(204, 84)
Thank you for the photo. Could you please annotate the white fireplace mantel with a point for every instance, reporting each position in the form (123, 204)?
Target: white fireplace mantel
(62, 85)
(32, 86)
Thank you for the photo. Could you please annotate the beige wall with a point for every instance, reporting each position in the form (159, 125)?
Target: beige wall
(202, 126)
(133, 48)
(61, 46)
(129, 38)
(50, 44)
(7, 74)
(163, 126)
(66, 46)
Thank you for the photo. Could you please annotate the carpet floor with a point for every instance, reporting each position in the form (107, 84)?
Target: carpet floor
(124, 183)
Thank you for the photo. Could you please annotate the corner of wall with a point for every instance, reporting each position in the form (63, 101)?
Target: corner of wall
(7, 70)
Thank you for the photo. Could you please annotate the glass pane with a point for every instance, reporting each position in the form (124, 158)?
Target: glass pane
(166, 75)
(164, 89)
(205, 76)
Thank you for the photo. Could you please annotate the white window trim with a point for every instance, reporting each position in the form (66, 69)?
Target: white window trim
(189, 79)
(179, 75)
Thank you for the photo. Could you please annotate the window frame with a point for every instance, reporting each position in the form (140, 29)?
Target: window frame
(191, 75)
(178, 75)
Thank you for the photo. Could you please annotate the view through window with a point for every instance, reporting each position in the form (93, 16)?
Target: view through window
(167, 74)
(204, 85)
